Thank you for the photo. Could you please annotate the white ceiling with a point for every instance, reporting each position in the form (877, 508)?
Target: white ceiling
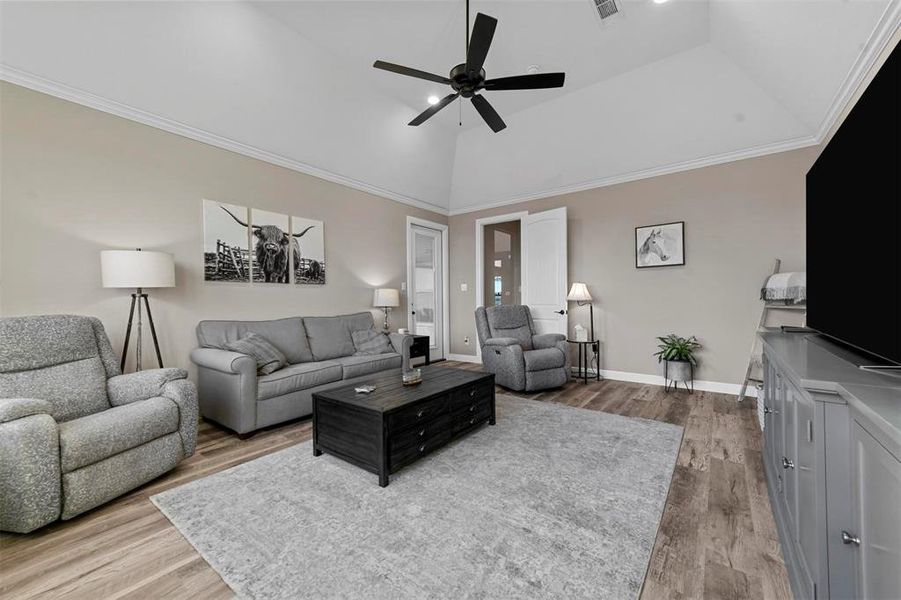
(661, 88)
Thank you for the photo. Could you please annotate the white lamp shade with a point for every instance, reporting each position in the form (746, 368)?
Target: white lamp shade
(579, 293)
(137, 269)
(386, 297)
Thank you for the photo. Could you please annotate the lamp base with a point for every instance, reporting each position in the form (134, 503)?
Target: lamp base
(136, 299)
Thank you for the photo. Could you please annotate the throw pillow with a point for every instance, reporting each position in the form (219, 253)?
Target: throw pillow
(269, 358)
(370, 341)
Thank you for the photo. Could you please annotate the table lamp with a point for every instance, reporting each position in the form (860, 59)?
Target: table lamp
(138, 270)
(386, 299)
(578, 293)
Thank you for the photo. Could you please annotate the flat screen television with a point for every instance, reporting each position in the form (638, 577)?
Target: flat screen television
(854, 225)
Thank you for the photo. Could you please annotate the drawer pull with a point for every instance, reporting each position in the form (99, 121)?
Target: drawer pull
(787, 464)
(422, 433)
(472, 420)
(419, 414)
(422, 448)
(472, 408)
(767, 410)
(849, 539)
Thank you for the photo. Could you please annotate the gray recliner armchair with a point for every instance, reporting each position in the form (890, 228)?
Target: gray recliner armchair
(74, 431)
(520, 359)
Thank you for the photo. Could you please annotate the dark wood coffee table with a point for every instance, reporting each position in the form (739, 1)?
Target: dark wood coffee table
(395, 425)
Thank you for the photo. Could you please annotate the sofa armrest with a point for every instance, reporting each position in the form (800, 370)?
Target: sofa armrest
(131, 387)
(19, 408)
(547, 340)
(227, 388)
(224, 361)
(30, 479)
(183, 393)
(502, 341)
(401, 343)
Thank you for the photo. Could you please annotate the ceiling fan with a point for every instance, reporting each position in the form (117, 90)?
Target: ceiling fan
(466, 79)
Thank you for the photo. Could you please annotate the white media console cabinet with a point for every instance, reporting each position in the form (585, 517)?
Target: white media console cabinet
(832, 456)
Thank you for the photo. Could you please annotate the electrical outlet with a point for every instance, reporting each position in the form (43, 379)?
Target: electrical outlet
(403, 286)
(466, 340)
(464, 287)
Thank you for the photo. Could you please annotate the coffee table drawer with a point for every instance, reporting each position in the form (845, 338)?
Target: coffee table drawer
(418, 434)
(416, 414)
(472, 393)
(405, 456)
(465, 419)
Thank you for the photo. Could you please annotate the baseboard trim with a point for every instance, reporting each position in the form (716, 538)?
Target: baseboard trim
(467, 358)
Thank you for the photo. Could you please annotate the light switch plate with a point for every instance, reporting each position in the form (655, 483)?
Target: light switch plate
(464, 287)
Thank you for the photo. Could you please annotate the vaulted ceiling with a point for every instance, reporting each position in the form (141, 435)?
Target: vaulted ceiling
(656, 89)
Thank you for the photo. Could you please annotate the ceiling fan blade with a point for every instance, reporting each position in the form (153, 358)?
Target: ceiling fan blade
(402, 70)
(539, 81)
(430, 111)
(479, 42)
(494, 120)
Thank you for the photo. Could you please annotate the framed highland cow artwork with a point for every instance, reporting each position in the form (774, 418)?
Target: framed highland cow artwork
(226, 255)
(309, 260)
(660, 245)
(272, 246)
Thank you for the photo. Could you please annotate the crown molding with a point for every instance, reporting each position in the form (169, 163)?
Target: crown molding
(698, 163)
(65, 92)
(885, 30)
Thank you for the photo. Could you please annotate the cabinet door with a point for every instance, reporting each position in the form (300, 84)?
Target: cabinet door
(769, 425)
(778, 429)
(804, 475)
(789, 481)
(875, 533)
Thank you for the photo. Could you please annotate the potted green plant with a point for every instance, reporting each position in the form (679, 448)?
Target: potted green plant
(678, 354)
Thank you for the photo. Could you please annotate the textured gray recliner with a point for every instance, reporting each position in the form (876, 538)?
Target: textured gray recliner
(74, 431)
(320, 353)
(520, 359)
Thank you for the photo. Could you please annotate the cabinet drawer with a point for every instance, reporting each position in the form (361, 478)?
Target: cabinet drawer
(419, 433)
(464, 420)
(419, 413)
(472, 393)
(404, 456)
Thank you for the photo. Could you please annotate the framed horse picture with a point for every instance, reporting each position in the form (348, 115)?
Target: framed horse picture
(661, 245)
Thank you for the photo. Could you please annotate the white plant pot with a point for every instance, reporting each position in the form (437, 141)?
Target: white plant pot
(678, 370)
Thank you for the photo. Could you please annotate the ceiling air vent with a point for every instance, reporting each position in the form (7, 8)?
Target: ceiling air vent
(606, 8)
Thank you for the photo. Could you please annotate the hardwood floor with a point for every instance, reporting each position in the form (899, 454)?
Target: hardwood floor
(717, 538)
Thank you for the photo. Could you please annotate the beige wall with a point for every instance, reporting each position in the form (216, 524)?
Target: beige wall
(76, 181)
(738, 218)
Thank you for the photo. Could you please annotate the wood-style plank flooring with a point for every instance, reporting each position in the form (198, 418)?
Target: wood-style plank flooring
(717, 538)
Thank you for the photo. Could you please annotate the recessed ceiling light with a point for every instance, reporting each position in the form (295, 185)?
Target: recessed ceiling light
(433, 100)
(660, 1)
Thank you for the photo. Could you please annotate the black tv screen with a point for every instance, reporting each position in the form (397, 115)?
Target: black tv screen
(854, 225)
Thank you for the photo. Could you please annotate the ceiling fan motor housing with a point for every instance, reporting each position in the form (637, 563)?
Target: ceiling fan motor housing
(464, 84)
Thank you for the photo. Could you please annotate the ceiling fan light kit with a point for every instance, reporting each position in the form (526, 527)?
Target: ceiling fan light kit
(468, 78)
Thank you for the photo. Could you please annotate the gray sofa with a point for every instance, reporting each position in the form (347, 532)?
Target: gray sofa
(520, 359)
(321, 356)
(74, 431)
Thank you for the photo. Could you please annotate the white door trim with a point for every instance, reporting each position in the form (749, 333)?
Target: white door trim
(480, 244)
(445, 278)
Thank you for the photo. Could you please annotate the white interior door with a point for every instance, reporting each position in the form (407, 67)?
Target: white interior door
(544, 269)
(426, 292)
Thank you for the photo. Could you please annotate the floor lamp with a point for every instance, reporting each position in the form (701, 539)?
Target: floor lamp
(138, 270)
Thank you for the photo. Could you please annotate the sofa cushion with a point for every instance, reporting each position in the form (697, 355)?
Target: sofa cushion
(546, 358)
(330, 337)
(269, 358)
(357, 366)
(90, 439)
(297, 377)
(73, 389)
(370, 342)
(288, 335)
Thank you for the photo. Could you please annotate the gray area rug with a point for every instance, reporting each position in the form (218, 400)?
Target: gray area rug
(552, 502)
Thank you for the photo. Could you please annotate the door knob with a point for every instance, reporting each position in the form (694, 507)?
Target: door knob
(767, 410)
(787, 464)
(560, 312)
(848, 539)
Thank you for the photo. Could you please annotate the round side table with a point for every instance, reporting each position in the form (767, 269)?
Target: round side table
(594, 348)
